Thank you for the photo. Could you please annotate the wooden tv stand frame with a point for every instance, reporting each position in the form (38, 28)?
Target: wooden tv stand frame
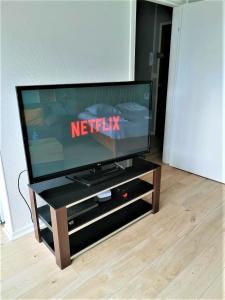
(110, 217)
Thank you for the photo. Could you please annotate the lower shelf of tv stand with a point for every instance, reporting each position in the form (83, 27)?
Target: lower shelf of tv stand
(102, 229)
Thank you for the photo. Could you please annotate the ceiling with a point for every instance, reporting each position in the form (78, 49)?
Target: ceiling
(178, 2)
(173, 2)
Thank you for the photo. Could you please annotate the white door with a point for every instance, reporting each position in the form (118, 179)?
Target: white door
(194, 138)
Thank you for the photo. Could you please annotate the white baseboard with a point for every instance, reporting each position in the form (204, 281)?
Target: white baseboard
(18, 233)
(21, 232)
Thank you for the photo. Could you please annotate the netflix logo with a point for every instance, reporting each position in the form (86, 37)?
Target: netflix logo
(84, 127)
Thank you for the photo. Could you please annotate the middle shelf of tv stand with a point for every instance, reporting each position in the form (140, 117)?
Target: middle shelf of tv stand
(103, 209)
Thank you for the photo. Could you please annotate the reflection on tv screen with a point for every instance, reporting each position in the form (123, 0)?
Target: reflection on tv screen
(76, 126)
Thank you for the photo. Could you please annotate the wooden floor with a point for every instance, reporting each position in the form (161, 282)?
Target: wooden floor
(176, 253)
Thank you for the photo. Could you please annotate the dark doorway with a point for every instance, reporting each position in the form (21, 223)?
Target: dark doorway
(163, 56)
(144, 39)
(153, 33)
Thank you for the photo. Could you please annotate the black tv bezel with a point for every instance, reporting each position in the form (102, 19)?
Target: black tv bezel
(50, 176)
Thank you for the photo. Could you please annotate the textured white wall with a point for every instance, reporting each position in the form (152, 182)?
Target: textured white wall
(47, 42)
(195, 124)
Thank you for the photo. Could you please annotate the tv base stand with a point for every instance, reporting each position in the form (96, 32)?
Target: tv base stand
(67, 236)
(96, 175)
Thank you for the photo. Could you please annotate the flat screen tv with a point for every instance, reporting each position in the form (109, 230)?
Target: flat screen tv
(72, 127)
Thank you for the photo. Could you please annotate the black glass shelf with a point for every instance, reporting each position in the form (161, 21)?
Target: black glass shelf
(102, 228)
(62, 192)
(92, 210)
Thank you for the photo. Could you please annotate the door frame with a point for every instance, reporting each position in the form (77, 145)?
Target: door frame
(173, 67)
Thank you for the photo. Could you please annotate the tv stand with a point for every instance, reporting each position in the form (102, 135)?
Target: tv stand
(65, 237)
(97, 175)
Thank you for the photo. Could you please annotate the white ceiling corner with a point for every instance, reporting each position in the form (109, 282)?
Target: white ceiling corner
(173, 2)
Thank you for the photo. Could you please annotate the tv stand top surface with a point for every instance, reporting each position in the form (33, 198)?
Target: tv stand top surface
(62, 191)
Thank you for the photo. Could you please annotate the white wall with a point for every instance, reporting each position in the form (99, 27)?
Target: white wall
(194, 125)
(223, 105)
(46, 42)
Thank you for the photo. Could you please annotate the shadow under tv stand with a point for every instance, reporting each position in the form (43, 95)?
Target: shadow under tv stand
(66, 239)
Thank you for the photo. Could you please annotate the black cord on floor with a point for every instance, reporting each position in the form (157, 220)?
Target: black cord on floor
(22, 194)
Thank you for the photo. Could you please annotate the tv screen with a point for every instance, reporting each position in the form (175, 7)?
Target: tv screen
(71, 127)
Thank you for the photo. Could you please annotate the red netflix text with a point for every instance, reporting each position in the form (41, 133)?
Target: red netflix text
(85, 127)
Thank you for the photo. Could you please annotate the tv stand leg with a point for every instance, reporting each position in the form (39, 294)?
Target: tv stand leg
(34, 213)
(60, 236)
(156, 187)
